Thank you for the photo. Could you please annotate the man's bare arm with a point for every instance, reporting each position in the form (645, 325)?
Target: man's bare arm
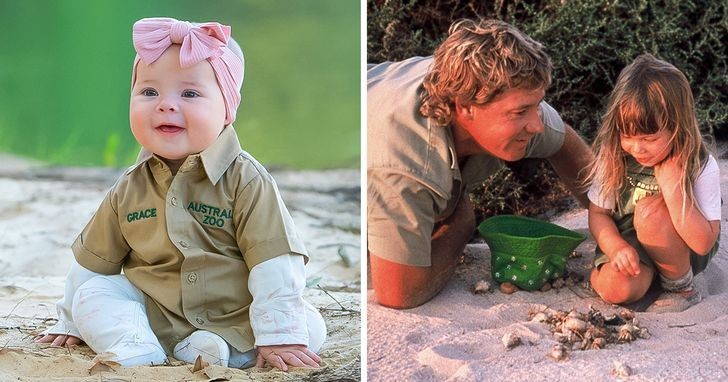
(571, 163)
(406, 286)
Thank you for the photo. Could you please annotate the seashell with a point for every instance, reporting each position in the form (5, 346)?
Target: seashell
(626, 333)
(540, 317)
(560, 315)
(643, 333)
(621, 369)
(627, 314)
(569, 336)
(574, 324)
(561, 338)
(598, 343)
(576, 314)
(510, 340)
(481, 287)
(596, 331)
(587, 336)
(595, 317)
(508, 288)
(573, 336)
(586, 344)
(558, 353)
(613, 319)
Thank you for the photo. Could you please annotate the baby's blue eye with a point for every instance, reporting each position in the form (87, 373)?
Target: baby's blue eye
(149, 92)
(190, 94)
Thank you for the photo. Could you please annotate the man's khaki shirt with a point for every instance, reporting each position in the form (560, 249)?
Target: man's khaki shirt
(189, 241)
(413, 176)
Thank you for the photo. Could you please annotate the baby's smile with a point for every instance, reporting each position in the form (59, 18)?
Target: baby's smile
(169, 129)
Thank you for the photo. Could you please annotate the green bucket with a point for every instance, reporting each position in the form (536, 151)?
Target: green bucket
(525, 251)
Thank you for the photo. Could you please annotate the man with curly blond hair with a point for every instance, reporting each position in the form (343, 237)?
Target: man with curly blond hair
(438, 127)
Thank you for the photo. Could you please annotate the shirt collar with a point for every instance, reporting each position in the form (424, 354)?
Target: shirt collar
(215, 159)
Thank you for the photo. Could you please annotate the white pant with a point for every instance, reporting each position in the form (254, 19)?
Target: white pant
(110, 315)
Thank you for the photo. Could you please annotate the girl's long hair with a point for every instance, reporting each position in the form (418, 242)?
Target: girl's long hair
(650, 96)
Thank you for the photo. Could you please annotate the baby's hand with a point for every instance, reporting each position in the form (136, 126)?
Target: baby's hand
(58, 340)
(280, 356)
(626, 261)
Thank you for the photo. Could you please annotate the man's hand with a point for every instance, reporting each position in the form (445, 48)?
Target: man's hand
(280, 356)
(58, 340)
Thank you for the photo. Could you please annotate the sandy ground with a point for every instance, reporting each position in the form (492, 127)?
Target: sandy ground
(457, 335)
(42, 210)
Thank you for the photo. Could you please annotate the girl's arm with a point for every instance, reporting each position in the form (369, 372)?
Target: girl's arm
(622, 255)
(698, 233)
(277, 313)
(64, 331)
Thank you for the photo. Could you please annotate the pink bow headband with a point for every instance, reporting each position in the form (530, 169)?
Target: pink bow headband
(208, 41)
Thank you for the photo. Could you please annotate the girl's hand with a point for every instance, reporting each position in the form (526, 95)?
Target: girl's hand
(668, 173)
(280, 356)
(58, 340)
(625, 260)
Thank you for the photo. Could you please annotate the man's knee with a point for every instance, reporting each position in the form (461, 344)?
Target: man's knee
(400, 300)
(404, 292)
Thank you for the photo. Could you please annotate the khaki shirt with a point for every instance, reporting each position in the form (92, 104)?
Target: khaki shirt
(189, 241)
(413, 176)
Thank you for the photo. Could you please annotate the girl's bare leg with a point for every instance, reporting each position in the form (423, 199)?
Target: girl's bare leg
(660, 239)
(617, 288)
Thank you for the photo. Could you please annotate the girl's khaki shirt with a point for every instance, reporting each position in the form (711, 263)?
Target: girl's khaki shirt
(189, 241)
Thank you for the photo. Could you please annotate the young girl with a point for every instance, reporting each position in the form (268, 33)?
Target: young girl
(212, 265)
(655, 190)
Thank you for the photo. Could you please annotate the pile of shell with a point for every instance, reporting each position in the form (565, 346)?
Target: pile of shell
(591, 330)
(568, 279)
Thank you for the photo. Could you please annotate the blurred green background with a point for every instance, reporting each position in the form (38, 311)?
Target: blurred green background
(65, 70)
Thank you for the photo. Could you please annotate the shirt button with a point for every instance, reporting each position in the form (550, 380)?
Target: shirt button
(184, 244)
(200, 321)
(173, 201)
(192, 277)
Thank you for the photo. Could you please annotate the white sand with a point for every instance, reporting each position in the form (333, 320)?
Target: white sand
(457, 335)
(43, 209)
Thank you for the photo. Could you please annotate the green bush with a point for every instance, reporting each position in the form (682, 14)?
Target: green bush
(529, 188)
(589, 41)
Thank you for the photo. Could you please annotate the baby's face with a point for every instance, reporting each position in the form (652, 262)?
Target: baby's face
(175, 112)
